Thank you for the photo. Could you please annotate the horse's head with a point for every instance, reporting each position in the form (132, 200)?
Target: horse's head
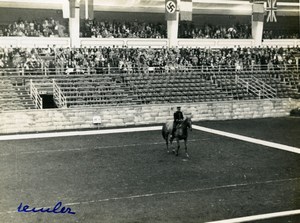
(189, 123)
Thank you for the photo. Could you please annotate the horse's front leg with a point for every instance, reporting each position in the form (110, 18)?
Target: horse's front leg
(186, 153)
(171, 141)
(178, 147)
(167, 143)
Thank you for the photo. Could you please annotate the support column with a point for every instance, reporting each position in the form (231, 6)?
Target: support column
(173, 31)
(257, 32)
(258, 12)
(74, 28)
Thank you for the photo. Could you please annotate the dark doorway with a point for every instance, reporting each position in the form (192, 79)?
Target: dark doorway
(48, 101)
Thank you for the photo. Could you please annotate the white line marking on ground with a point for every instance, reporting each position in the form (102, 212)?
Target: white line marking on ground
(153, 128)
(171, 192)
(96, 148)
(249, 139)
(78, 133)
(259, 217)
(189, 191)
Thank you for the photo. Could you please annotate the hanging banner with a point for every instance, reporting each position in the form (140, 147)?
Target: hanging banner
(271, 9)
(171, 9)
(72, 4)
(186, 10)
(258, 12)
(87, 9)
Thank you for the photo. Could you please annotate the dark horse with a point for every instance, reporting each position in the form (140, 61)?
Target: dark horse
(181, 133)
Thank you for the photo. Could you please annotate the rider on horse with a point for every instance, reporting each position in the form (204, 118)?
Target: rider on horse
(178, 118)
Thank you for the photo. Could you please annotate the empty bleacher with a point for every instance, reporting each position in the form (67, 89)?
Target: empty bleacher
(91, 90)
(14, 96)
(145, 88)
(174, 87)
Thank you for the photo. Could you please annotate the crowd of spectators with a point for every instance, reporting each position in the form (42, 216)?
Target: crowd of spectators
(35, 28)
(123, 29)
(238, 31)
(125, 59)
(136, 29)
(269, 34)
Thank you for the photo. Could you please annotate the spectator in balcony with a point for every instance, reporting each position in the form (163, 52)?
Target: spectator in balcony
(190, 30)
(149, 60)
(49, 27)
(116, 29)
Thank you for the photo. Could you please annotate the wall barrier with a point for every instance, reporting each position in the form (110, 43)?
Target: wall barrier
(141, 43)
(281, 42)
(215, 43)
(82, 118)
(40, 42)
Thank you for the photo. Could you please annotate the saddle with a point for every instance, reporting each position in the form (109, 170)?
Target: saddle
(179, 124)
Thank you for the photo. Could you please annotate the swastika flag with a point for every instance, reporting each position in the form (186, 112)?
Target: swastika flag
(171, 9)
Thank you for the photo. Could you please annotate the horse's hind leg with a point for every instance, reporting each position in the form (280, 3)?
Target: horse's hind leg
(186, 153)
(178, 147)
(167, 143)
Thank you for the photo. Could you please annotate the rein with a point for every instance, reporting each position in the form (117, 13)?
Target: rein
(184, 126)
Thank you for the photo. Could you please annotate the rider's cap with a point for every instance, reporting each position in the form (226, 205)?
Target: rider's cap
(178, 107)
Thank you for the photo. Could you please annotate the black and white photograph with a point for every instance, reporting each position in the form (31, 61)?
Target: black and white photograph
(149, 111)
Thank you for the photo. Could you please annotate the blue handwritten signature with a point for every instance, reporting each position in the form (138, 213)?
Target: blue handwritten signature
(57, 209)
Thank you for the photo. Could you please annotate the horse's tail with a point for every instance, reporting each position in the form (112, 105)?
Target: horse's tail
(167, 129)
(163, 131)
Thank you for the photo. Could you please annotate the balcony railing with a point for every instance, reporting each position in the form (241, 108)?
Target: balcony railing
(139, 42)
(43, 71)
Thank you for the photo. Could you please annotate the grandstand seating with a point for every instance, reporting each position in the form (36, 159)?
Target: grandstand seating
(279, 80)
(144, 88)
(174, 87)
(284, 81)
(92, 90)
(142, 79)
(14, 96)
(87, 90)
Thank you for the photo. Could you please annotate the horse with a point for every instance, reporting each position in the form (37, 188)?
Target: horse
(181, 133)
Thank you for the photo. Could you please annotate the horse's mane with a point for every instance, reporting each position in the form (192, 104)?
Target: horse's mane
(187, 119)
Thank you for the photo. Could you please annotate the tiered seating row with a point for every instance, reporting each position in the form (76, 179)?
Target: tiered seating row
(285, 82)
(13, 97)
(227, 82)
(93, 91)
(175, 87)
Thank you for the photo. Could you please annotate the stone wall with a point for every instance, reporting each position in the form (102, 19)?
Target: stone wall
(66, 119)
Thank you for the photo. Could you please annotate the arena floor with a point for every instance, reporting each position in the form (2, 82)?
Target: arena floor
(129, 177)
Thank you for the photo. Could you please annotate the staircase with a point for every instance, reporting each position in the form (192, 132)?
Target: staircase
(257, 87)
(14, 97)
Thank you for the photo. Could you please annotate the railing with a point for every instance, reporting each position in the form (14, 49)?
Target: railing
(39, 71)
(249, 87)
(257, 87)
(266, 90)
(35, 96)
(34, 41)
(138, 42)
(58, 96)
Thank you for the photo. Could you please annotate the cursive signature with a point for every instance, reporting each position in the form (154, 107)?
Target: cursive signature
(57, 209)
